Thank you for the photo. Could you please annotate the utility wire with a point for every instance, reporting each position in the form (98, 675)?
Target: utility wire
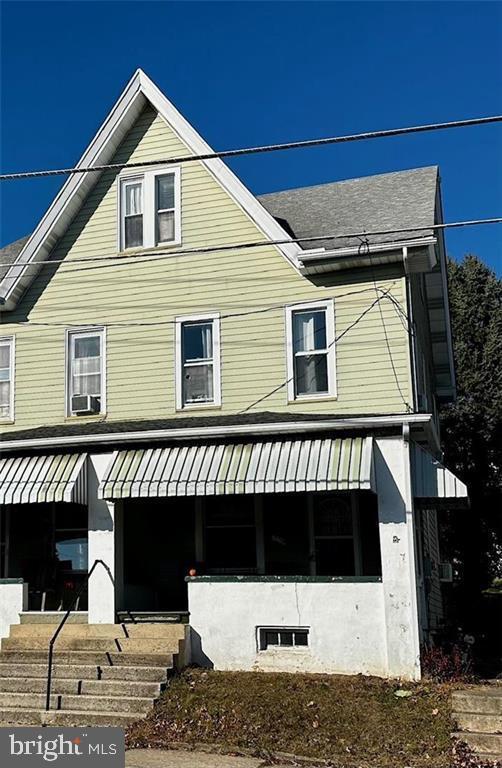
(153, 256)
(258, 149)
(224, 316)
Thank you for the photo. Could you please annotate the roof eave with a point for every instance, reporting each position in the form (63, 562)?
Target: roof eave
(315, 261)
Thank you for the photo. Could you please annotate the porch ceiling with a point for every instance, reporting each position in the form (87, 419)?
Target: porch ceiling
(279, 466)
(39, 479)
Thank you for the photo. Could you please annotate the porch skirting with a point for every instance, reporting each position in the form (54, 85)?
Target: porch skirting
(279, 466)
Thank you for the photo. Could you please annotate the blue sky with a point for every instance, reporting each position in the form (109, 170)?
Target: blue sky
(252, 73)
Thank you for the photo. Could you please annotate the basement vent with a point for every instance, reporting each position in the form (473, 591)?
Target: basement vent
(282, 637)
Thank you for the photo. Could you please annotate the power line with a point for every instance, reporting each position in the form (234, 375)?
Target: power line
(223, 316)
(153, 256)
(255, 150)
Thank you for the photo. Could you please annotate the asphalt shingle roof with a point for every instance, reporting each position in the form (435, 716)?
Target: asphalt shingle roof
(9, 253)
(370, 203)
(385, 201)
(116, 428)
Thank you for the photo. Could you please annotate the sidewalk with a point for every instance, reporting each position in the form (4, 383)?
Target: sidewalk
(161, 758)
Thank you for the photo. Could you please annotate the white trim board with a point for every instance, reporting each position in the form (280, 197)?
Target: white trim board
(139, 91)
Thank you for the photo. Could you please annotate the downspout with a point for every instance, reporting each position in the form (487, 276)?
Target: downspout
(411, 337)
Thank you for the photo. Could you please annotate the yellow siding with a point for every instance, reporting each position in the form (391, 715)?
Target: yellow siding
(140, 360)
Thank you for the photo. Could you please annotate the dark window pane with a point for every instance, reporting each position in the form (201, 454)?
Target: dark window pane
(335, 557)
(286, 638)
(311, 374)
(133, 231)
(165, 192)
(230, 510)
(271, 638)
(309, 331)
(197, 341)
(332, 516)
(301, 638)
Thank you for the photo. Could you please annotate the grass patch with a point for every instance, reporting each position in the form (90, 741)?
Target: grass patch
(351, 721)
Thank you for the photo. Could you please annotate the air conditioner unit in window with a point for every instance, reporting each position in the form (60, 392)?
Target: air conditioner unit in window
(446, 572)
(85, 404)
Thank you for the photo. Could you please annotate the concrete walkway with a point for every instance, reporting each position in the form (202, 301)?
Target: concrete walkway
(161, 758)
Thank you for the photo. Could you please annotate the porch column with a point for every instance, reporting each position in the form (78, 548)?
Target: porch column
(395, 514)
(102, 545)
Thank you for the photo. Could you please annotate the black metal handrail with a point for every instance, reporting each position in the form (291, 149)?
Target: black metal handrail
(61, 625)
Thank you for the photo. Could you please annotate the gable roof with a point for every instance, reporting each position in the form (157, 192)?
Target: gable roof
(371, 203)
(138, 92)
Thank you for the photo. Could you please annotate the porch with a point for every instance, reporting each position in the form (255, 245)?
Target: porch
(286, 554)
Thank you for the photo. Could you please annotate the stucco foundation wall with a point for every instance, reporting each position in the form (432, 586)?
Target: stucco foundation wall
(13, 600)
(346, 623)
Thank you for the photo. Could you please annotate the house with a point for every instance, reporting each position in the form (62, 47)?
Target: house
(228, 402)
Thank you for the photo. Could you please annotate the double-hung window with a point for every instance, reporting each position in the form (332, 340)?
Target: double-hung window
(150, 209)
(310, 334)
(86, 372)
(198, 361)
(7, 378)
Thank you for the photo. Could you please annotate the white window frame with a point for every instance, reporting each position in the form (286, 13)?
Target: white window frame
(327, 305)
(214, 317)
(149, 180)
(10, 341)
(84, 331)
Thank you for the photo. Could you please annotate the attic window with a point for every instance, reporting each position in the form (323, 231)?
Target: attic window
(150, 209)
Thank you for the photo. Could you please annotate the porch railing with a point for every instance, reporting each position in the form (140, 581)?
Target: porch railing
(61, 625)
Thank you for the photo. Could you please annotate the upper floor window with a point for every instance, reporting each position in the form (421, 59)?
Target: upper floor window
(150, 209)
(86, 386)
(310, 332)
(198, 361)
(7, 378)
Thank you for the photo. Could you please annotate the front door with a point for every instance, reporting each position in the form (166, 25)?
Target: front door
(159, 550)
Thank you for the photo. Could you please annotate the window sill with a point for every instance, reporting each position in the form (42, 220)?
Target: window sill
(7, 421)
(88, 417)
(149, 250)
(198, 407)
(313, 399)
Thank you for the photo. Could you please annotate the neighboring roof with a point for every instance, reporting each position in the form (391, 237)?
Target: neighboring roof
(371, 203)
(9, 253)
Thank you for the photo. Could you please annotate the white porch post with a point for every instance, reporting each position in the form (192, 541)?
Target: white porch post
(395, 514)
(102, 531)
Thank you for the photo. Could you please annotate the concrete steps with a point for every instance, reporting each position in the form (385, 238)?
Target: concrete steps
(477, 712)
(104, 674)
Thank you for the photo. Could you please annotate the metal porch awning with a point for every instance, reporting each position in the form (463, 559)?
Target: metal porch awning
(432, 481)
(238, 468)
(39, 479)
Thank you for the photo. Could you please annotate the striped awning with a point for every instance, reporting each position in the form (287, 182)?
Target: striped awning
(237, 468)
(38, 479)
(432, 480)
